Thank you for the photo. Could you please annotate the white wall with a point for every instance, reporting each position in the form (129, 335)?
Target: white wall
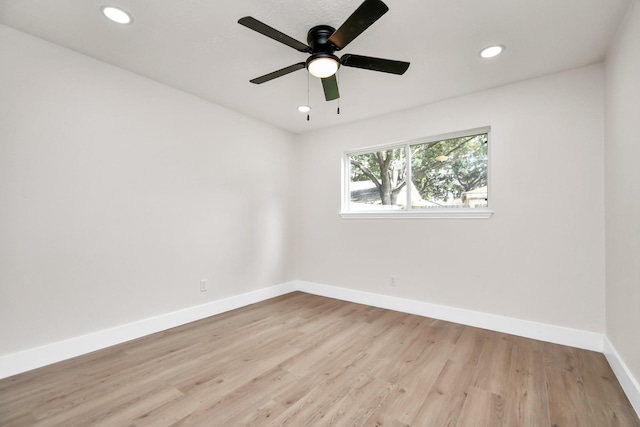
(622, 153)
(540, 257)
(118, 194)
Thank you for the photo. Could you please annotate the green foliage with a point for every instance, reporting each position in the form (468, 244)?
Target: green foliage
(441, 170)
(386, 169)
(445, 169)
(369, 163)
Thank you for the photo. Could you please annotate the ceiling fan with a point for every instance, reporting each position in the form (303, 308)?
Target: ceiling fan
(323, 41)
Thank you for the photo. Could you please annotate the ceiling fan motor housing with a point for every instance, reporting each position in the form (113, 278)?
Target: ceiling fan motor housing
(318, 40)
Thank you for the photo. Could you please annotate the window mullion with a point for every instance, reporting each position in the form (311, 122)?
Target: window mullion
(346, 186)
(408, 178)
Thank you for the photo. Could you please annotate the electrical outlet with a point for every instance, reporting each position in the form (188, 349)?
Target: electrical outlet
(203, 285)
(392, 281)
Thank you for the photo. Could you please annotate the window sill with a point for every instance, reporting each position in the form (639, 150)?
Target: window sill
(430, 214)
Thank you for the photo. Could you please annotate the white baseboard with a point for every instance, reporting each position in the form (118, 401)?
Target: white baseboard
(27, 360)
(628, 382)
(524, 328)
(37, 357)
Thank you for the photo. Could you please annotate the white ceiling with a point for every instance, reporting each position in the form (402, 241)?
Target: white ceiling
(197, 46)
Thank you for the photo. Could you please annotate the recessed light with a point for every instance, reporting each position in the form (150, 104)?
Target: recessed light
(491, 51)
(116, 15)
(304, 108)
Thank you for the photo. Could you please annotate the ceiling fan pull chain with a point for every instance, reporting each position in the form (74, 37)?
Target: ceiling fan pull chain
(308, 103)
(338, 80)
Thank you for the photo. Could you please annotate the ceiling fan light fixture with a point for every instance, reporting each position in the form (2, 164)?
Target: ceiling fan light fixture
(116, 15)
(323, 41)
(491, 51)
(323, 65)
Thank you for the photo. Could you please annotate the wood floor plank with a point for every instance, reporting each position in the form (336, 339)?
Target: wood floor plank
(415, 384)
(492, 371)
(240, 400)
(443, 404)
(607, 400)
(305, 360)
(365, 397)
(260, 416)
(481, 408)
(526, 394)
(127, 411)
(567, 402)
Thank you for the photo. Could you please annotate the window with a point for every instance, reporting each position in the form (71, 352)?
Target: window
(440, 177)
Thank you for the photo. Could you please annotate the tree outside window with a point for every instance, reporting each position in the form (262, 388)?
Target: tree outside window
(443, 173)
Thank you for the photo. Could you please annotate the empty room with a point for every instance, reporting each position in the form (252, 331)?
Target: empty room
(319, 213)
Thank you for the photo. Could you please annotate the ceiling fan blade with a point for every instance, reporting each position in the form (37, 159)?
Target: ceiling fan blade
(375, 64)
(330, 86)
(266, 30)
(279, 73)
(365, 15)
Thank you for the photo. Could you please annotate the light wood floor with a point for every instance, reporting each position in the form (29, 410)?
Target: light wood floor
(302, 360)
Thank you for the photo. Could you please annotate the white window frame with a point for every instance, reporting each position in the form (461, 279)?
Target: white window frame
(408, 212)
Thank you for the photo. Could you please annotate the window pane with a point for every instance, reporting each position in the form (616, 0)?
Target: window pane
(377, 180)
(450, 173)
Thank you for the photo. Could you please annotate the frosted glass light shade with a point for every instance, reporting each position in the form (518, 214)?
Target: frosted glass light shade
(323, 67)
